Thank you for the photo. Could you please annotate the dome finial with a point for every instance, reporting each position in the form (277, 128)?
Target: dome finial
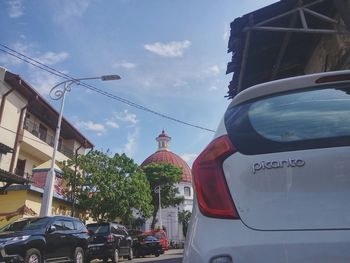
(163, 141)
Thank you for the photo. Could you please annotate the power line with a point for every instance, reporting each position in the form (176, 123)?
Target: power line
(58, 73)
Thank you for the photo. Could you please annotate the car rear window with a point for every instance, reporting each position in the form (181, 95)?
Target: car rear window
(99, 229)
(306, 119)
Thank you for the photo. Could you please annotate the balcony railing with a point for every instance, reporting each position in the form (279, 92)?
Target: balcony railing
(23, 174)
(33, 128)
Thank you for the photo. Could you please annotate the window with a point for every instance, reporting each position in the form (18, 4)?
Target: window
(187, 191)
(59, 225)
(26, 121)
(114, 230)
(306, 119)
(27, 224)
(99, 229)
(59, 144)
(79, 225)
(42, 132)
(20, 167)
(68, 225)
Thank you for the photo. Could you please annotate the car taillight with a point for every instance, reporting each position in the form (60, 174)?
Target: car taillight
(110, 238)
(213, 195)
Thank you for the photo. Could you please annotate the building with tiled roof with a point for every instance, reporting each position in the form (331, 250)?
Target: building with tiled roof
(27, 127)
(164, 155)
(170, 215)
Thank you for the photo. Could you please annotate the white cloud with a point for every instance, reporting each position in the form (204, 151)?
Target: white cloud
(213, 70)
(112, 124)
(43, 81)
(189, 157)
(50, 58)
(71, 9)
(124, 64)
(172, 49)
(15, 8)
(226, 35)
(91, 126)
(127, 117)
(9, 60)
(180, 83)
(213, 88)
(131, 146)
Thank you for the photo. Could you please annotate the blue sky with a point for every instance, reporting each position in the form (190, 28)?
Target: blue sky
(171, 55)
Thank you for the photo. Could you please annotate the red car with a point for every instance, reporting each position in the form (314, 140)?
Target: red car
(161, 235)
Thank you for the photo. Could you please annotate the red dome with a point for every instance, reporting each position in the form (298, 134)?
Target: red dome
(165, 156)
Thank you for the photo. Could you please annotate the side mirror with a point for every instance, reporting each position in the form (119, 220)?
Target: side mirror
(51, 229)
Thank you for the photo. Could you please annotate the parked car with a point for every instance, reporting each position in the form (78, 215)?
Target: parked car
(44, 239)
(274, 184)
(109, 240)
(161, 235)
(147, 245)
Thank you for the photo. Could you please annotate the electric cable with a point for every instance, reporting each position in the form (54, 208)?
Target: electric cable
(58, 73)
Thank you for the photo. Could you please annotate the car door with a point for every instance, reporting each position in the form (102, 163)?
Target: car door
(55, 240)
(70, 238)
(124, 242)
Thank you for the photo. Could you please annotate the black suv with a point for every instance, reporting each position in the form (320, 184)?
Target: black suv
(109, 240)
(44, 239)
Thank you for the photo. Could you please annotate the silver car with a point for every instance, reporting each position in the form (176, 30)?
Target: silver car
(274, 184)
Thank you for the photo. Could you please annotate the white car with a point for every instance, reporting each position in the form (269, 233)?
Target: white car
(274, 184)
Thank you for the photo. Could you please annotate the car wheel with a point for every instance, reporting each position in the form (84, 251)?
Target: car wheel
(115, 256)
(79, 255)
(33, 256)
(157, 254)
(131, 254)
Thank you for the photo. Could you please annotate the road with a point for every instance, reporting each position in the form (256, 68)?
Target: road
(170, 256)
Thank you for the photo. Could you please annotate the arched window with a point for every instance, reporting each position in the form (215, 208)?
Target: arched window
(187, 191)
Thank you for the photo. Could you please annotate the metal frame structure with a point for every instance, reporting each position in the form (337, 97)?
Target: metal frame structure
(299, 15)
(301, 11)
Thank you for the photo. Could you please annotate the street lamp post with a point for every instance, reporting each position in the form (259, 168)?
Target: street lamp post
(157, 190)
(57, 93)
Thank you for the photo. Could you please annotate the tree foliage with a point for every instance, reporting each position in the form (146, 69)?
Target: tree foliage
(109, 187)
(184, 219)
(166, 176)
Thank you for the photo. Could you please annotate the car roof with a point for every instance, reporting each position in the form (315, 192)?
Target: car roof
(282, 85)
(106, 223)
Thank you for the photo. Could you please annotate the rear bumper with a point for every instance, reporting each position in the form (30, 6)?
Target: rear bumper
(99, 251)
(148, 250)
(232, 238)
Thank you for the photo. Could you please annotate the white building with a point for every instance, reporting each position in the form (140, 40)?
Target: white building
(170, 214)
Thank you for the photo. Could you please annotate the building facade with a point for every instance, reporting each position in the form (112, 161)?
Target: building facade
(169, 215)
(27, 127)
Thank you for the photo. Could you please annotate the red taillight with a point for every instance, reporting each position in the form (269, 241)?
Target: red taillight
(110, 238)
(214, 198)
(333, 78)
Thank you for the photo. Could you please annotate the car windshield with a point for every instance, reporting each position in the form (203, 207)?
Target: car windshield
(27, 224)
(159, 235)
(98, 229)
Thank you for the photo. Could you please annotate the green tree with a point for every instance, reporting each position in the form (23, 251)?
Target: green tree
(184, 219)
(109, 187)
(166, 176)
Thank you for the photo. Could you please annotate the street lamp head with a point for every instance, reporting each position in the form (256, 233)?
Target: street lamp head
(110, 77)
